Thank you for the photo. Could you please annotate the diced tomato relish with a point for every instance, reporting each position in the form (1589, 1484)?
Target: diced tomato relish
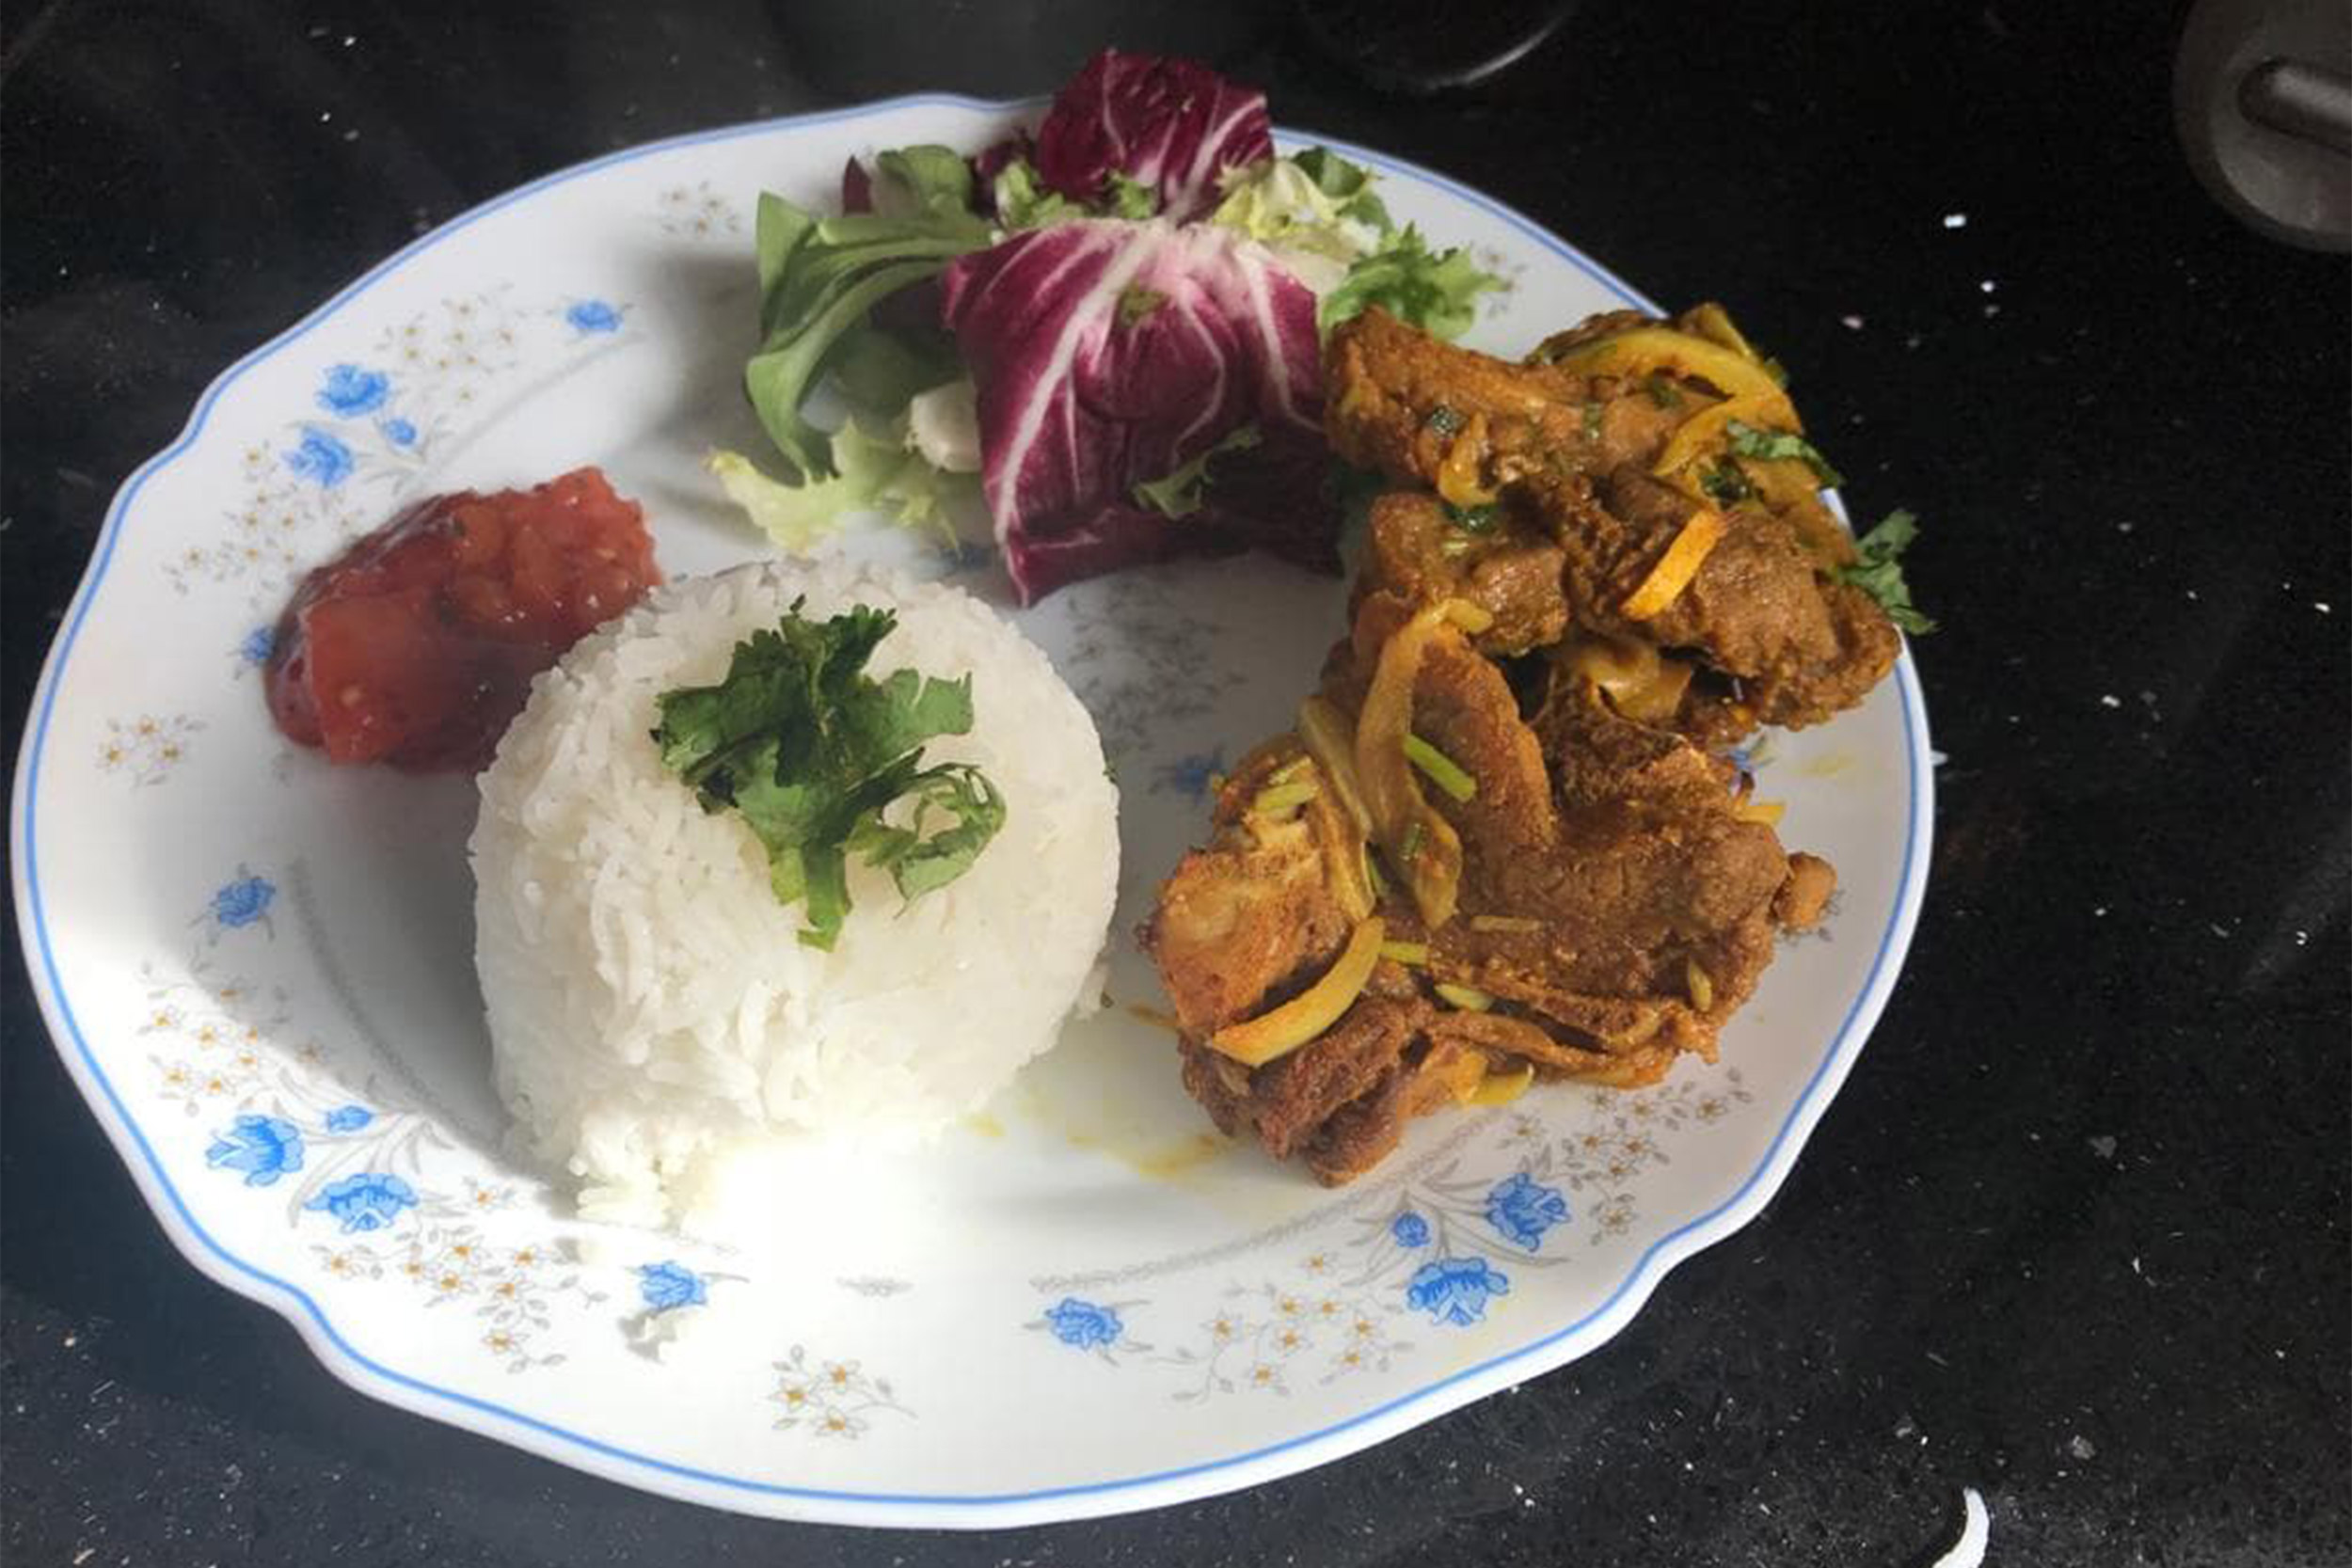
(416, 647)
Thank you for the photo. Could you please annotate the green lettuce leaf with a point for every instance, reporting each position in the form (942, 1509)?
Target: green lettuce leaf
(872, 473)
(819, 281)
(1178, 493)
(1024, 201)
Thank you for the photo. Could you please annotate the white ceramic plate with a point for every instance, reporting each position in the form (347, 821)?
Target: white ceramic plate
(259, 969)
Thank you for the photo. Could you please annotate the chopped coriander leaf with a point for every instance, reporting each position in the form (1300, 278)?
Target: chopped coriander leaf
(1480, 519)
(1591, 421)
(1877, 571)
(1443, 421)
(816, 756)
(1725, 484)
(1661, 391)
(1777, 445)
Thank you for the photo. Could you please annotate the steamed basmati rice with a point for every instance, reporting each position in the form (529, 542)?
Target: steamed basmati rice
(652, 1008)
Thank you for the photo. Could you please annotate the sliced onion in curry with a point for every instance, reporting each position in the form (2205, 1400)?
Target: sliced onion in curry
(1421, 846)
(1284, 1029)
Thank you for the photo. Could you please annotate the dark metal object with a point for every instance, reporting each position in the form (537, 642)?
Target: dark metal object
(2299, 100)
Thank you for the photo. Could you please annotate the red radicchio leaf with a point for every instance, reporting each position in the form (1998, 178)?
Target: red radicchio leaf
(1110, 353)
(857, 188)
(1169, 123)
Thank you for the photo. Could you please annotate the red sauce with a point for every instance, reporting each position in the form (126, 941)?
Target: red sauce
(416, 647)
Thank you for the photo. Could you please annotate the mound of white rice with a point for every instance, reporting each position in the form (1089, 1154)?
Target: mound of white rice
(652, 1008)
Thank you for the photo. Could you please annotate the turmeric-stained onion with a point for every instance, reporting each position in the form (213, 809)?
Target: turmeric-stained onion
(1324, 730)
(1678, 566)
(1284, 1029)
(1461, 473)
(1500, 1088)
(1421, 846)
(1645, 349)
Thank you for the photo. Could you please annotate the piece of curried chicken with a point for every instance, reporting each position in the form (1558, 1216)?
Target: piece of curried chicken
(1615, 906)
(1666, 534)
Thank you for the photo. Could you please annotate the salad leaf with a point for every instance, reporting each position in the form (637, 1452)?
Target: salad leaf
(1434, 291)
(814, 753)
(1748, 441)
(1170, 125)
(872, 472)
(1877, 570)
(1280, 203)
(1089, 386)
(1123, 198)
(1025, 202)
(1347, 184)
(818, 279)
(927, 180)
(1178, 494)
(1318, 213)
(879, 371)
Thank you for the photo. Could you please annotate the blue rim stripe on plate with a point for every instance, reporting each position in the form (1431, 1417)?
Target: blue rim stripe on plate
(1647, 1271)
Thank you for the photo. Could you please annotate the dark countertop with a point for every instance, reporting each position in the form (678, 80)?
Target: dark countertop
(2075, 1231)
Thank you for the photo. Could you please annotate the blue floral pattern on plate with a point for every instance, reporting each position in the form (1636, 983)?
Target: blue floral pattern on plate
(350, 390)
(1456, 1290)
(243, 901)
(321, 457)
(264, 1147)
(1521, 1209)
(667, 1286)
(593, 315)
(368, 1202)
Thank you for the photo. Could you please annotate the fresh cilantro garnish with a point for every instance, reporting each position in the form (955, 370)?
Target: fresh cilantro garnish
(1661, 391)
(1444, 421)
(1771, 445)
(1480, 519)
(1436, 290)
(817, 755)
(1725, 484)
(1877, 571)
(1126, 196)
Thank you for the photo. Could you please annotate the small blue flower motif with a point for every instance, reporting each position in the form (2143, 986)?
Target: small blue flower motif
(258, 646)
(1189, 776)
(264, 1147)
(1455, 1289)
(669, 1285)
(1522, 1209)
(1409, 1229)
(243, 901)
(1084, 1324)
(399, 432)
(593, 315)
(348, 1118)
(321, 458)
(350, 390)
(369, 1201)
